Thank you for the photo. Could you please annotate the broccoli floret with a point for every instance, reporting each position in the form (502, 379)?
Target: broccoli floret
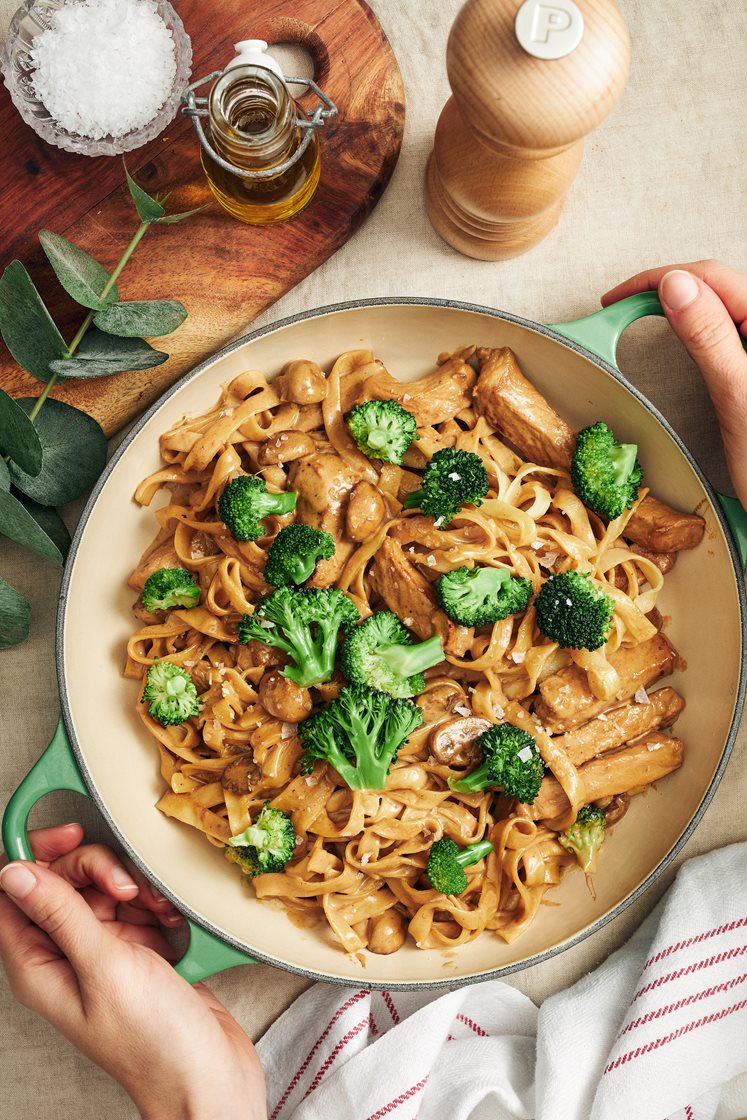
(169, 587)
(382, 429)
(585, 837)
(451, 479)
(170, 693)
(476, 596)
(605, 474)
(573, 611)
(293, 554)
(446, 863)
(380, 653)
(359, 734)
(245, 501)
(511, 760)
(304, 623)
(266, 845)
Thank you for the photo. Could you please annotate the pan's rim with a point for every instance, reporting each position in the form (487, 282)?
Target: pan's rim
(451, 982)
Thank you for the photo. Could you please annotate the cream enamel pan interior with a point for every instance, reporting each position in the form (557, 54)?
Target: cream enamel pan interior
(117, 756)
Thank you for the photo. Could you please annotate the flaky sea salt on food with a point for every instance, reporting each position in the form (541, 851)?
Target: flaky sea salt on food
(104, 67)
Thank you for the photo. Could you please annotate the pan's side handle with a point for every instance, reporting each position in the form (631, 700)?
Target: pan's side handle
(736, 515)
(206, 955)
(56, 769)
(600, 332)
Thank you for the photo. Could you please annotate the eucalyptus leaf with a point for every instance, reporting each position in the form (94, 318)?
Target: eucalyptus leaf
(148, 209)
(73, 454)
(81, 276)
(18, 437)
(169, 219)
(15, 613)
(141, 317)
(100, 354)
(26, 325)
(18, 524)
(4, 475)
(50, 521)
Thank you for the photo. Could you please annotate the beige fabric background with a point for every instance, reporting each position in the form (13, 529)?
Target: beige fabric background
(663, 180)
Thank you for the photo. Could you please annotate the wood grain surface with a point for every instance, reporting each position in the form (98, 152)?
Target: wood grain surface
(509, 142)
(225, 272)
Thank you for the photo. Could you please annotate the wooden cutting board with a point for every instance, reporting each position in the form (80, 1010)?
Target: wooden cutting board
(225, 272)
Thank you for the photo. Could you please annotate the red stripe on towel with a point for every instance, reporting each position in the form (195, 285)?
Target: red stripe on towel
(390, 1006)
(695, 940)
(401, 1099)
(641, 1051)
(685, 1002)
(727, 955)
(305, 1064)
(472, 1026)
(325, 1066)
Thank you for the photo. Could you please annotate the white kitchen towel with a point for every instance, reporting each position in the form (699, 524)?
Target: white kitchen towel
(658, 1032)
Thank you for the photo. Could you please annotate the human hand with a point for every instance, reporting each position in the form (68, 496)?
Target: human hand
(706, 305)
(80, 943)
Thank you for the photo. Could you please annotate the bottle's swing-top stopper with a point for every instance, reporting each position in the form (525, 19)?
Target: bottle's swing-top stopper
(529, 81)
(259, 147)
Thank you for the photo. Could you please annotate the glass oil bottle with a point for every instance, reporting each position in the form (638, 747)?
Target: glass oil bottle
(256, 127)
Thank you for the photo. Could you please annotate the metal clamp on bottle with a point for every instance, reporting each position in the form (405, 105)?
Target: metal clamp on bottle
(258, 134)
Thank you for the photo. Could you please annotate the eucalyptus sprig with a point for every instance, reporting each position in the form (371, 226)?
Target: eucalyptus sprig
(50, 452)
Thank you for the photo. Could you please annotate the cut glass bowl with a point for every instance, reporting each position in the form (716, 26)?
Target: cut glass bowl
(17, 69)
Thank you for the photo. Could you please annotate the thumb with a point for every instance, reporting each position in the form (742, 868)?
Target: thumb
(701, 321)
(58, 909)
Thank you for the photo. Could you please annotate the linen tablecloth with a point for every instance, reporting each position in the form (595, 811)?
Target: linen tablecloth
(662, 180)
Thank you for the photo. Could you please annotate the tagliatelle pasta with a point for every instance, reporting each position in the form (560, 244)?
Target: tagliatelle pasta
(358, 868)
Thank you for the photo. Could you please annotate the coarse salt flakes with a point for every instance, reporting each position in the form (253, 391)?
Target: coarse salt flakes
(365, 858)
(104, 67)
(287, 730)
(641, 696)
(525, 754)
(518, 655)
(430, 561)
(602, 717)
(462, 710)
(498, 711)
(454, 476)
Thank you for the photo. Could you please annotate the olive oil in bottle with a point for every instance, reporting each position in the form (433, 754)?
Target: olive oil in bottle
(253, 125)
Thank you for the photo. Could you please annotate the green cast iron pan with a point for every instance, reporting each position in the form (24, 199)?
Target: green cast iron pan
(101, 748)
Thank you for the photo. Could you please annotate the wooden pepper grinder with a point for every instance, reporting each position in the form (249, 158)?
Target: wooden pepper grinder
(529, 82)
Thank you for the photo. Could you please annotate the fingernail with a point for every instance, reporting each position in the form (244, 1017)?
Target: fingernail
(121, 880)
(173, 919)
(16, 880)
(158, 898)
(678, 289)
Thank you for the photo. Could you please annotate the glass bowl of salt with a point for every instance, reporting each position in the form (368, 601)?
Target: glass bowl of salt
(97, 77)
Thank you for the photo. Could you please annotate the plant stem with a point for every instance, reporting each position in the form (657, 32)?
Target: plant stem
(41, 399)
(75, 343)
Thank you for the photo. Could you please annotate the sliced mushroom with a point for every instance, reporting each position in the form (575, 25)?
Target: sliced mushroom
(284, 447)
(439, 700)
(284, 699)
(386, 932)
(365, 512)
(302, 382)
(241, 775)
(454, 743)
